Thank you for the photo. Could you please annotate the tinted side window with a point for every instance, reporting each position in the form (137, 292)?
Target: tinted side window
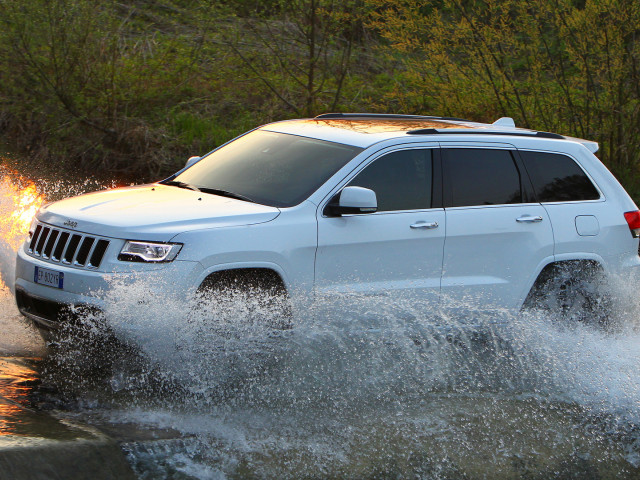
(401, 180)
(557, 178)
(481, 177)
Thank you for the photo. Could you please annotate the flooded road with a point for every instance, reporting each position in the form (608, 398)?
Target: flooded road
(360, 388)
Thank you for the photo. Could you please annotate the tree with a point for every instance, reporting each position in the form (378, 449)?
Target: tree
(551, 64)
(85, 78)
(301, 50)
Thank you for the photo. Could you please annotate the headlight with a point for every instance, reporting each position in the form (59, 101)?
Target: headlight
(149, 252)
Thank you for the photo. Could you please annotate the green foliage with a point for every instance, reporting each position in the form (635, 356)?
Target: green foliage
(302, 51)
(557, 65)
(205, 132)
(138, 86)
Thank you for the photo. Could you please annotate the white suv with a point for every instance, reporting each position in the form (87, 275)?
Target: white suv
(430, 207)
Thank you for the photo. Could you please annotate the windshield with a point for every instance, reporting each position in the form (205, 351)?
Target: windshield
(270, 168)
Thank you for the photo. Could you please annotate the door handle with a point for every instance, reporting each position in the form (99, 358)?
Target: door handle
(529, 219)
(425, 225)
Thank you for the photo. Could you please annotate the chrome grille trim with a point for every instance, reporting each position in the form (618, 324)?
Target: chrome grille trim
(58, 245)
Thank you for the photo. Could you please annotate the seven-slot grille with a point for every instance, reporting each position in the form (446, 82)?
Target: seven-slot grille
(69, 248)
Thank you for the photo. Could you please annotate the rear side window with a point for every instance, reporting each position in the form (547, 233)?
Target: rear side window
(481, 177)
(402, 180)
(558, 178)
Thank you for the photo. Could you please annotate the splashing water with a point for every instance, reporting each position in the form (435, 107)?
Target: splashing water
(359, 387)
(20, 199)
(369, 388)
(355, 349)
(19, 202)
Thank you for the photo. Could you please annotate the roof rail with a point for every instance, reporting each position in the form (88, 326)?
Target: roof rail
(433, 131)
(326, 116)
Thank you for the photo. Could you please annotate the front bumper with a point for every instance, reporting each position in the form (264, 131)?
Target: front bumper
(83, 289)
(44, 313)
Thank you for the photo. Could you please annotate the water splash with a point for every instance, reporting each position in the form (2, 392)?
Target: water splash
(20, 199)
(19, 202)
(365, 387)
(359, 387)
(353, 350)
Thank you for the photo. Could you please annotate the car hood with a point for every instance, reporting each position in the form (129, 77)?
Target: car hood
(152, 212)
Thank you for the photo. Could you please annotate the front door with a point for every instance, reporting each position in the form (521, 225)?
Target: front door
(396, 251)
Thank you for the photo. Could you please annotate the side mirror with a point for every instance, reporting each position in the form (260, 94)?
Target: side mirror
(192, 160)
(352, 200)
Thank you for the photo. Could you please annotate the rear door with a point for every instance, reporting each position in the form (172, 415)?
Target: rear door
(583, 223)
(396, 251)
(497, 235)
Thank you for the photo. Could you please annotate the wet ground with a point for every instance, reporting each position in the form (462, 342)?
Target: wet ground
(359, 389)
(35, 441)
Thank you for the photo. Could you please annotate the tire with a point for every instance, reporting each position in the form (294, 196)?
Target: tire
(572, 291)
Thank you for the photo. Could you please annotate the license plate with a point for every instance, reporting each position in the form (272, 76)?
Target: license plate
(44, 276)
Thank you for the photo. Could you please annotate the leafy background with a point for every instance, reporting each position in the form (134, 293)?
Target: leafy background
(133, 88)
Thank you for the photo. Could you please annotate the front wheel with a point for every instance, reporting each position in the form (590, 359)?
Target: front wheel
(239, 328)
(254, 296)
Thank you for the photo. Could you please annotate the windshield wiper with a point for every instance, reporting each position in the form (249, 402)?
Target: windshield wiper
(225, 193)
(213, 191)
(175, 183)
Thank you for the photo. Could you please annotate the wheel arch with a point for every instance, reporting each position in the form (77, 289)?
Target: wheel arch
(264, 273)
(582, 263)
